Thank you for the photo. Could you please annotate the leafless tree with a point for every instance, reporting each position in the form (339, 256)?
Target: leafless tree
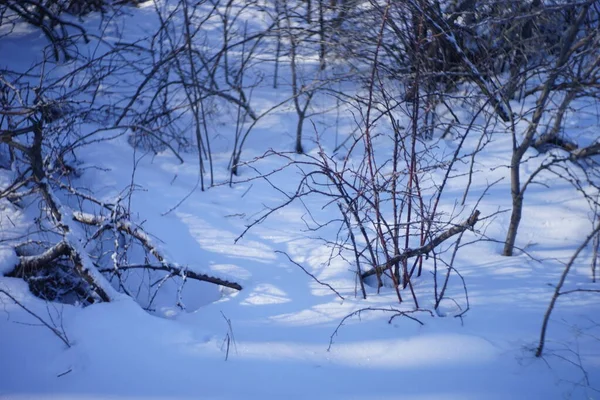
(574, 72)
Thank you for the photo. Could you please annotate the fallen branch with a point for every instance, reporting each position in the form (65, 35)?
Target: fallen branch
(29, 264)
(144, 239)
(423, 250)
(176, 270)
(72, 243)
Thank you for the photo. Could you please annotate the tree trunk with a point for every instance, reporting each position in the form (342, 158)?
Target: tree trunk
(517, 203)
(299, 127)
(519, 150)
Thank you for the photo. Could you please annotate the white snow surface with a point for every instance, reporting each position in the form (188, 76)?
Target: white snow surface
(282, 320)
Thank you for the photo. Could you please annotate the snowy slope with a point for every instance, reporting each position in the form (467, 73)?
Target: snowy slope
(271, 340)
(282, 321)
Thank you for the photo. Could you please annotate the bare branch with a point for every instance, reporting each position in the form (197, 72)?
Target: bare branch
(59, 334)
(558, 288)
(309, 274)
(397, 313)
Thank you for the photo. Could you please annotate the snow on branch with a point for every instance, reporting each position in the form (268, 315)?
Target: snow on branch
(83, 264)
(29, 264)
(145, 240)
(584, 152)
(176, 270)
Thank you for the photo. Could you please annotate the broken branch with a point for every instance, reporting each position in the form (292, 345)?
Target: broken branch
(409, 253)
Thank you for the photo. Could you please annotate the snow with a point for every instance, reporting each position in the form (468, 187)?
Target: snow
(282, 321)
(12, 222)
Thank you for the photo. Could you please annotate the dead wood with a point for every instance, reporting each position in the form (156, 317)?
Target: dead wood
(425, 249)
(144, 239)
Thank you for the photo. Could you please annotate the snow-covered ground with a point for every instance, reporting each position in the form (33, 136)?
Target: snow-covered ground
(272, 339)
